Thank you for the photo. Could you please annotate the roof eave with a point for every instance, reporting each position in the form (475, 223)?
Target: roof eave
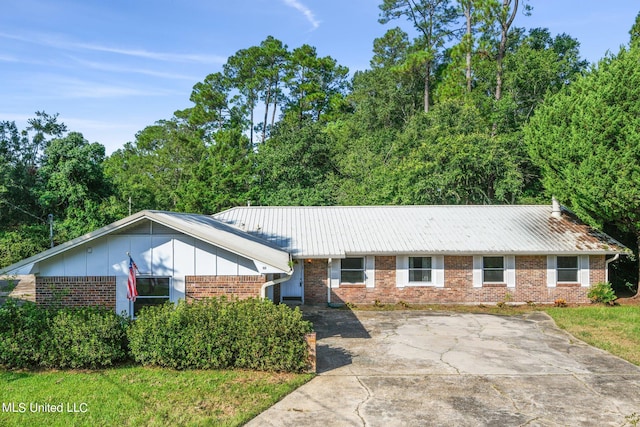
(282, 263)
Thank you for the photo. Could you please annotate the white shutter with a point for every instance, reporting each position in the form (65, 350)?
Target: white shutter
(477, 271)
(335, 273)
(437, 270)
(583, 273)
(370, 271)
(402, 271)
(552, 273)
(510, 270)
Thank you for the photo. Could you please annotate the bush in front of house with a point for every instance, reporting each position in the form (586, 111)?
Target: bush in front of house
(23, 328)
(220, 333)
(89, 337)
(602, 292)
(33, 336)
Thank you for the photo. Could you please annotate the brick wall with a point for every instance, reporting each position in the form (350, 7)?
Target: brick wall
(596, 269)
(76, 291)
(531, 284)
(198, 287)
(315, 281)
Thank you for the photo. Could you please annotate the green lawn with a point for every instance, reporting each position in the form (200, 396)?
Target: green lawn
(614, 329)
(132, 396)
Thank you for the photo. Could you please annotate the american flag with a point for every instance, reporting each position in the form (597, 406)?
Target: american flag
(132, 290)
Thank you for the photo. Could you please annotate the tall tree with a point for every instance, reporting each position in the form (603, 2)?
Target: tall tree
(455, 160)
(271, 72)
(223, 177)
(293, 165)
(72, 184)
(504, 17)
(155, 170)
(316, 84)
(434, 20)
(22, 151)
(585, 141)
(242, 69)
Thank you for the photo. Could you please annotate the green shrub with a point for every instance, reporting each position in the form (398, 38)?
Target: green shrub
(85, 337)
(602, 292)
(33, 336)
(217, 333)
(23, 330)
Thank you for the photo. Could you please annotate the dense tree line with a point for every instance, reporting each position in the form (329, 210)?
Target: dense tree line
(459, 105)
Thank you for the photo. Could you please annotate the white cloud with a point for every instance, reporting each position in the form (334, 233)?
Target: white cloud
(5, 58)
(86, 89)
(121, 69)
(60, 43)
(308, 13)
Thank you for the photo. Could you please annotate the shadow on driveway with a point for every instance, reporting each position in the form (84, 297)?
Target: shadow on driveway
(423, 368)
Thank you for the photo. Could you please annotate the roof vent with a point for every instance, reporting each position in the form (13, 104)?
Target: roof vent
(556, 209)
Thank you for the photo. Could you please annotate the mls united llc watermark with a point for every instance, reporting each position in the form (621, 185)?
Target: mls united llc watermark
(36, 407)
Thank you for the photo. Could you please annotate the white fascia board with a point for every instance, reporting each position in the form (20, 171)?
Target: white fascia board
(235, 241)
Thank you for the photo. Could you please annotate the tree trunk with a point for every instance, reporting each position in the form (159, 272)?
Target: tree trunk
(505, 25)
(267, 101)
(427, 88)
(467, 14)
(275, 103)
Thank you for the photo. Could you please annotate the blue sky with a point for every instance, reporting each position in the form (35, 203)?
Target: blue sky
(111, 68)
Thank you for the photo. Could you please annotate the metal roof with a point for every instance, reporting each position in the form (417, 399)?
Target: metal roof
(202, 227)
(339, 231)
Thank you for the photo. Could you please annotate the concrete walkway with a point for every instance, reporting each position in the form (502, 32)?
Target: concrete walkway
(409, 368)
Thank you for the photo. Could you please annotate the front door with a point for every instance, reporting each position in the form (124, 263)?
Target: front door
(293, 288)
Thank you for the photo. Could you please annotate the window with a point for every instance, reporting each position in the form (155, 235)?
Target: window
(420, 269)
(151, 291)
(493, 269)
(352, 270)
(567, 269)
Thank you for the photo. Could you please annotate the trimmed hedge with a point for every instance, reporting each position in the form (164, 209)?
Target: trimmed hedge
(208, 334)
(218, 333)
(32, 336)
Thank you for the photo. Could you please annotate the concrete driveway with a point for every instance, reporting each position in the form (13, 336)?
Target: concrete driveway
(417, 368)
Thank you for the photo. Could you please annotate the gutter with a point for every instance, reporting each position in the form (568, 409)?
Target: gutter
(606, 266)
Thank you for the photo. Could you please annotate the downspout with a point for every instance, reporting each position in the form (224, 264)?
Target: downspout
(263, 288)
(606, 266)
(329, 281)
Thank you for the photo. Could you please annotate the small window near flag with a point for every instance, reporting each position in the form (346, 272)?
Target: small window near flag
(151, 291)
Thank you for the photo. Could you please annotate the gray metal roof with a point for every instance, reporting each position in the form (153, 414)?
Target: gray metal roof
(202, 227)
(338, 231)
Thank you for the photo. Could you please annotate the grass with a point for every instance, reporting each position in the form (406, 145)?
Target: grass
(132, 396)
(614, 329)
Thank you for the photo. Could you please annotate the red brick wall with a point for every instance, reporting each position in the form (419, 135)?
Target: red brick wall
(76, 291)
(197, 287)
(315, 281)
(531, 284)
(596, 269)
